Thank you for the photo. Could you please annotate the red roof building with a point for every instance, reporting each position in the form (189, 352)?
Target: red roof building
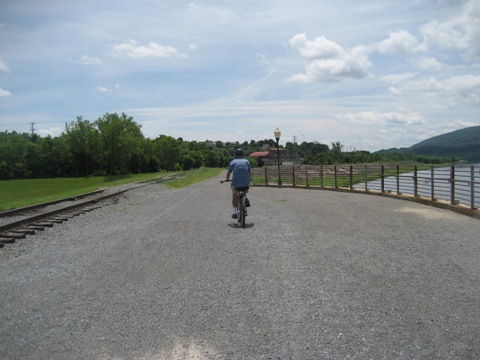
(261, 154)
(270, 156)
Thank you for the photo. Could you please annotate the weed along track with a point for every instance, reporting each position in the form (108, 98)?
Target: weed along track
(19, 229)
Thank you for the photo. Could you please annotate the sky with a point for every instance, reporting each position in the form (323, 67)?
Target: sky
(371, 74)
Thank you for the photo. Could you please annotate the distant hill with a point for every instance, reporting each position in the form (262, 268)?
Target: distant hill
(463, 144)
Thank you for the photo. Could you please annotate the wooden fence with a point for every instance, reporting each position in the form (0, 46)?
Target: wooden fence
(455, 184)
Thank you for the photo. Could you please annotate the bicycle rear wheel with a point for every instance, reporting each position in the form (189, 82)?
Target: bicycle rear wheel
(241, 211)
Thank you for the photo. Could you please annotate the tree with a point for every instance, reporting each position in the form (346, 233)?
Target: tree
(82, 138)
(167, 150)
(13, 149)
(120, 141)
(50, 158)
(336, 152)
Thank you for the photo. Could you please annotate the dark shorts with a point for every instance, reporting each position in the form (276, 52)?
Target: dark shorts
(237, 189)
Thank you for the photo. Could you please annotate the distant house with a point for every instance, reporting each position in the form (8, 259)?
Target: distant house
(270, 157)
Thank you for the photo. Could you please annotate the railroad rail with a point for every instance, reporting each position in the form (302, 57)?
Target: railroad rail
(30, 208)
(15, 230)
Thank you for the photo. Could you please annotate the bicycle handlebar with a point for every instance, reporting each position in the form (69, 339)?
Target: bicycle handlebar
(222, 181)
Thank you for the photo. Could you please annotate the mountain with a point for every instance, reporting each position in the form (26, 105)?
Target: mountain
(463, 144)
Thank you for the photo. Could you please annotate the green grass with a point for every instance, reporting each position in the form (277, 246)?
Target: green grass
(20, 193)
(194, 176)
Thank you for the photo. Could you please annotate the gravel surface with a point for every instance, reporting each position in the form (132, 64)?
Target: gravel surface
(166, 274)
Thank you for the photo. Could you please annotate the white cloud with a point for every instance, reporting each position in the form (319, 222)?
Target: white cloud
(385, 118)
(396, 81)
(395, 91)
(449, 92)
(3, 66)
(4, 93)
(320, 48)
(397, 78)
(328, 61)
(467, 88)
(429, 64)
(106, 89)
(134, 50)
(52, 131)
(400, 43)
(88, 60)
(460, 32)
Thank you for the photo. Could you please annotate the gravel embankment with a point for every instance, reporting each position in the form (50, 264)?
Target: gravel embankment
(166, 274)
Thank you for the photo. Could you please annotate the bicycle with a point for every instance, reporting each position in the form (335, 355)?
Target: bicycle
(241, 205)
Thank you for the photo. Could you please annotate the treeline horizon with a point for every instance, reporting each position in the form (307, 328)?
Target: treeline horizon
(115, 145)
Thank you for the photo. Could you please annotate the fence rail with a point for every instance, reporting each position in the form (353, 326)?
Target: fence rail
(458, 184)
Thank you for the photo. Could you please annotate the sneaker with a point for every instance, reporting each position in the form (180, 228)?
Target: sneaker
(247, 202)
(234, 216)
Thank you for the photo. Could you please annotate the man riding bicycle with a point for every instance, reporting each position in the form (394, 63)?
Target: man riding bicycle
(242, 173)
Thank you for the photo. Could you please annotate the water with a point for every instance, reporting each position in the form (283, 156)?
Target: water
(464, 187)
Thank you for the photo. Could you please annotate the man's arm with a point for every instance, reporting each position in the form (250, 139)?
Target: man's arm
(229, 172)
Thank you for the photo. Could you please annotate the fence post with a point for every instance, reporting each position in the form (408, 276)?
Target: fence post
(452, 185)
(266, 176)
(432, 177)
(293, 175)
(366, 177)
(306, 175)
(321, 176)
(415, 181)
(382, 176)
(335, 174)
(472, 189)
(351, 177)
(398, 180)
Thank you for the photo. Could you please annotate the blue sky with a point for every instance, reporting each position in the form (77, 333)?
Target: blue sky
(372, 75)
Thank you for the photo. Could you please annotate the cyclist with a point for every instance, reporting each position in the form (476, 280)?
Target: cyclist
(242, 173)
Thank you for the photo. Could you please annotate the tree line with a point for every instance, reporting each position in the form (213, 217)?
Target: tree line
(114, 145)
(314, 153)
(111, 145)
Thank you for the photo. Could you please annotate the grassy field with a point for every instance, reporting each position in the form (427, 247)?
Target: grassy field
(194, 176)
(19, 193)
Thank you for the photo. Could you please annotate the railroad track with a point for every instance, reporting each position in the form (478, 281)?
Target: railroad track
(16, 230)
(36, 218)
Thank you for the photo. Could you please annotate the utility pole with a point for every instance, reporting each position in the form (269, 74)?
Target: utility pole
(32, 128)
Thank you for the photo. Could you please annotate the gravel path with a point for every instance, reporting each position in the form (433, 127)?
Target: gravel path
(166, 274)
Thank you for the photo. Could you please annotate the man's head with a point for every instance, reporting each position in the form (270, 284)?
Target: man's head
(238, 153)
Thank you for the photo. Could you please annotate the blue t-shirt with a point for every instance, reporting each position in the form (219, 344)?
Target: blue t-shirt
(241, 172)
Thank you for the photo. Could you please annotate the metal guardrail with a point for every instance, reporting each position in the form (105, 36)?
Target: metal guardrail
(457, 184)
